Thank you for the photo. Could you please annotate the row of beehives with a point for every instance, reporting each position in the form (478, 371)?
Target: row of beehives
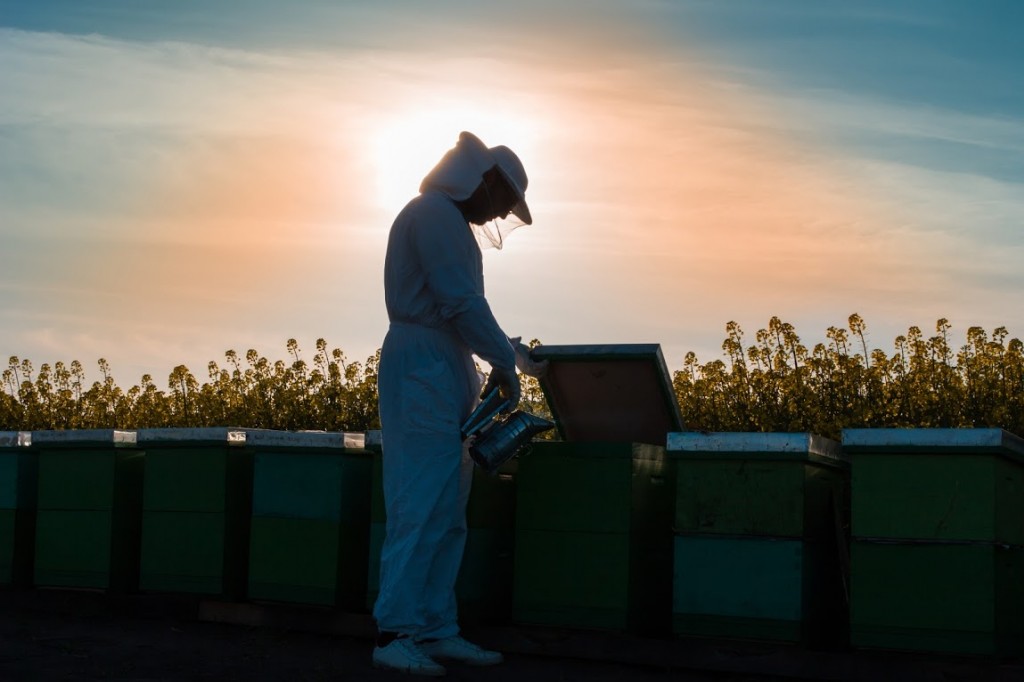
(902, 539)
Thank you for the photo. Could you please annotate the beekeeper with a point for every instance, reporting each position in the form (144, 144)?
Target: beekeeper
(428, 385)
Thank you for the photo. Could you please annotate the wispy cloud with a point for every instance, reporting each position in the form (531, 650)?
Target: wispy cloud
(194, 195)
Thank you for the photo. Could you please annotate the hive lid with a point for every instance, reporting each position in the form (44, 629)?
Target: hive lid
(934, 441)
(191, 436)
(611, 393)
(77, 437)
(335, 440)
(760, 446)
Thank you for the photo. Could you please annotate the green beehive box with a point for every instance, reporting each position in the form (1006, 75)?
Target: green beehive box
(593, 537)
(947, 598)
(938, 531)
(594, 512)
(484, 585)
(760, 540)
(310, 518)
(197, 510)
(762, 484)
(18, 482)
(937, 484)
(88, 509)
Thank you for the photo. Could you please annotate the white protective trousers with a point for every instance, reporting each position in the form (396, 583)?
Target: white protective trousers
(427, 477)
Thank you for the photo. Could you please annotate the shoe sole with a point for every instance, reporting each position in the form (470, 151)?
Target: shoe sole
(475, 664)
(410, 671)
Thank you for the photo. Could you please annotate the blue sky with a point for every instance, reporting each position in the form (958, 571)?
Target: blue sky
(182, 178)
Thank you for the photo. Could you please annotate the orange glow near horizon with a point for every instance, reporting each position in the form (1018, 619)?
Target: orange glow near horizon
(647, 182)
(233, 185)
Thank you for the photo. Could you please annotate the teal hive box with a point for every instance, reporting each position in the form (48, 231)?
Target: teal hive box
(759, 536)
(88, 509)
(484, 585)
(938, 536)
(197, 510)
(310, 518)
(18, 484)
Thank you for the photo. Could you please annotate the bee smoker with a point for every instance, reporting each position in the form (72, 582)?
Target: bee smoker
(500, 437)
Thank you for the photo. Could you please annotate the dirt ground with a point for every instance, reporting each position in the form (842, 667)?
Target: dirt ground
(42, 643)
(51, 637)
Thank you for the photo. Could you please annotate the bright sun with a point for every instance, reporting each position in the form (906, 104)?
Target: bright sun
(406, 146)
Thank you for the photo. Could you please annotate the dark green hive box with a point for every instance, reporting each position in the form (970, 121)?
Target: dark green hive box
(310, 518)
(594, 512)
(760, 545)
(18, 483)
(484, 585)
(937, 484)
(938, 537)
(947, 598)
(593, 537)
(88, 509)
(197, 509)
(761, 484)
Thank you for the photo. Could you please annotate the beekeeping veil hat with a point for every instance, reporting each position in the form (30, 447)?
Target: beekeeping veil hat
(461, 169)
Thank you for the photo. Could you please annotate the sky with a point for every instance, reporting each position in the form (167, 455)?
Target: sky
(180, 178)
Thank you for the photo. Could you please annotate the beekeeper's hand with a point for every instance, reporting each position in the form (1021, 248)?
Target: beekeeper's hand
(507, 381)
(525, 362)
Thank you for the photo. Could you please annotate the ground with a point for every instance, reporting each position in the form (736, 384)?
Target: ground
(44, 647)
(51, 636)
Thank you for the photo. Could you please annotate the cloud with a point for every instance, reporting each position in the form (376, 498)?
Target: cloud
(175, 199)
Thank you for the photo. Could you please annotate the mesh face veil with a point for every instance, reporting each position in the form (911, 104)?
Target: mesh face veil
(492, 234)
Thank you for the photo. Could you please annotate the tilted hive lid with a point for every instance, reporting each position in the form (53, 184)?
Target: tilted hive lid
(610, 393)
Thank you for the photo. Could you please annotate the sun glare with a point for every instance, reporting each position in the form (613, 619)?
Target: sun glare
(405, 146)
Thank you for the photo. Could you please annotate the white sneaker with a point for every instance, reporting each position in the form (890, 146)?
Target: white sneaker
(406, 656)
(458, 649)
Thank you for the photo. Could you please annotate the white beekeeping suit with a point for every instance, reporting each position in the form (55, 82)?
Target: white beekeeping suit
(428, 385)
